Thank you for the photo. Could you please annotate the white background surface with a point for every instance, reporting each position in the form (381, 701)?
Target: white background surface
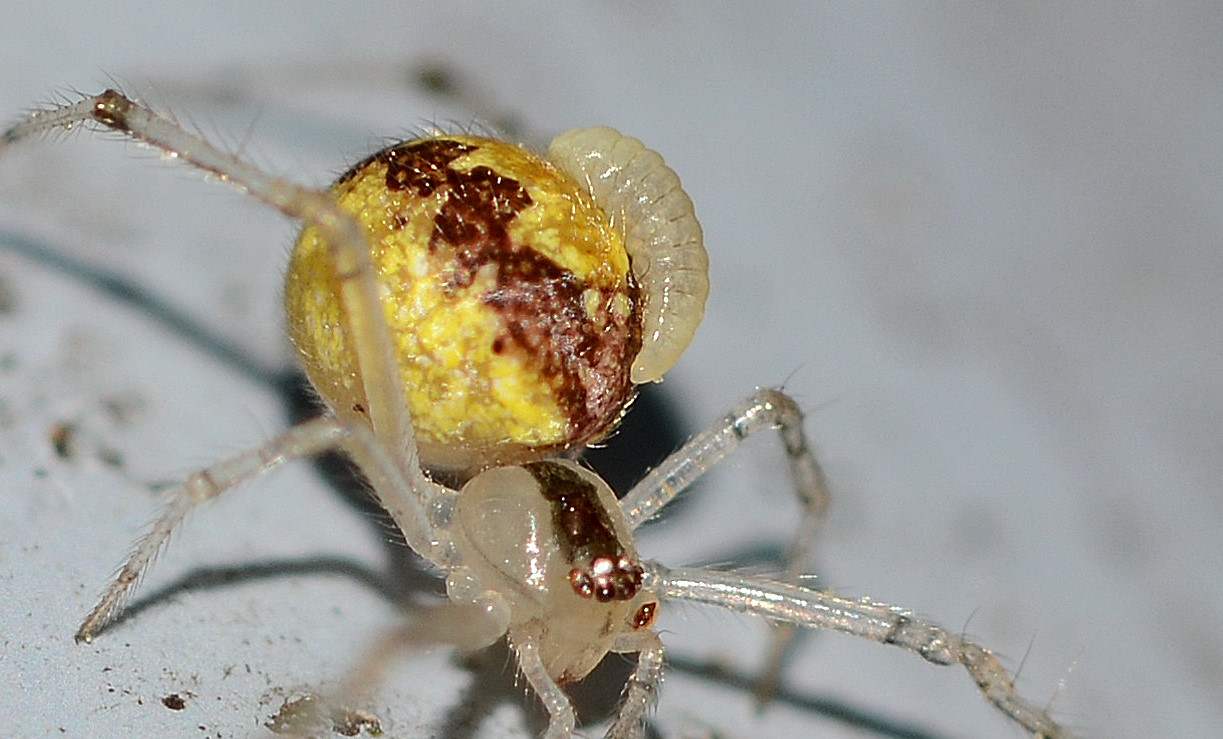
(981, 246)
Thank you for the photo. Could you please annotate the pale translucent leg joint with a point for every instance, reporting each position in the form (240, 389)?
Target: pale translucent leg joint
(562, 721)
(641, 691)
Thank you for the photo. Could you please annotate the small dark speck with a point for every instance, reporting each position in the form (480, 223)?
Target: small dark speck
(435, 78)
(62, 435)
(111, 458)
(174, 702)
(8, 299)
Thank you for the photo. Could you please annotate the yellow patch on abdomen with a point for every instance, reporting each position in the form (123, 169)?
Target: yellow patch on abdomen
(507, 291)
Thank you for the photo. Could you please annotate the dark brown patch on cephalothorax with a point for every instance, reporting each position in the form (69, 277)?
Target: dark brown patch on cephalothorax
(582, 358)
(601, 568)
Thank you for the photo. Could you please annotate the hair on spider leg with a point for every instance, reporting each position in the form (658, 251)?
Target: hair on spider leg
(467, 106)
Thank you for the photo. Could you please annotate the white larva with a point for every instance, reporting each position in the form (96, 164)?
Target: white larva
(643, 196)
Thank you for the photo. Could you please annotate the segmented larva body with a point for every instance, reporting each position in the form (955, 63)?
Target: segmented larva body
(643, 196)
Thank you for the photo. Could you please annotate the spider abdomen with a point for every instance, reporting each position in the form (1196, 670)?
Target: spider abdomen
(507, 290)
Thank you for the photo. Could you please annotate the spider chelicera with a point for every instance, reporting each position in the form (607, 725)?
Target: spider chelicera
(473, 313)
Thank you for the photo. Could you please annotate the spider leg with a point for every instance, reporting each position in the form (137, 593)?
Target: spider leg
(765, 409)
(863, 618)
(403, 497)
(467, 626)
(524, 640)
(350, 253)
(642, 687)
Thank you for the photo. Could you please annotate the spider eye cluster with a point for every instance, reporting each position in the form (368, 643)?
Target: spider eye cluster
(516, 308)
(601, 566)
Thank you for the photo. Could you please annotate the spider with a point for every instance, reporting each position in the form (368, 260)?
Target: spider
(474, 315)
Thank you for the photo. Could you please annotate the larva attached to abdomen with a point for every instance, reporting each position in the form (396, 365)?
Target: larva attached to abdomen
(643, 196)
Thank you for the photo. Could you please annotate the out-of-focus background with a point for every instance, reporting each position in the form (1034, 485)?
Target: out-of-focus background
(981, 246)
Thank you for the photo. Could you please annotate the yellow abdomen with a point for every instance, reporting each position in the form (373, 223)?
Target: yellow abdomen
(508, 293)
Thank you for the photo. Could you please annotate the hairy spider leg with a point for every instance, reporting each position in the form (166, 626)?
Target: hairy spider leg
(787, 603)
(418, 505)
(641, 690)
(765, 409)
(863, 618)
